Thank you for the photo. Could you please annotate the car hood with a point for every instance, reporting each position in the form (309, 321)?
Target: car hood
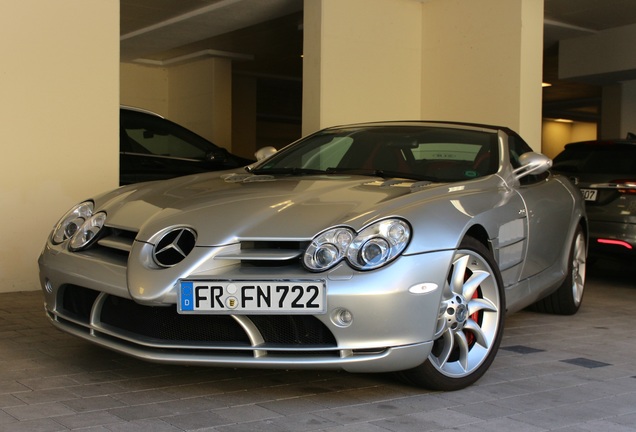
(226, 207)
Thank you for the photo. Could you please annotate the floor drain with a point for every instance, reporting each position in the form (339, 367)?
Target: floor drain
(520, 349)
(586, 363)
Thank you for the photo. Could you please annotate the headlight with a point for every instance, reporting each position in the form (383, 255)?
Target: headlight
(87, 232)
(373, 247)
(328, 249)
(71, 222)
(379, 244)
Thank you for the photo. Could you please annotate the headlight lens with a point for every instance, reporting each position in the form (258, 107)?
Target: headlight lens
(373, 247)
(87, 232)
(71, 222)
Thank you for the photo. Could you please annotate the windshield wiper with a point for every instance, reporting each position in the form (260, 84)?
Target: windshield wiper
(385, 174)
(289, 171)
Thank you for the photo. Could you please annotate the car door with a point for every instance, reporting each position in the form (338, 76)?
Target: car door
(548, 207)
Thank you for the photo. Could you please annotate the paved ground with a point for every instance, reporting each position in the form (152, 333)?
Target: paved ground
(553, 373)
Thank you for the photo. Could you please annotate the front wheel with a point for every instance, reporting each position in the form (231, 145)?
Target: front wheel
(469, 324)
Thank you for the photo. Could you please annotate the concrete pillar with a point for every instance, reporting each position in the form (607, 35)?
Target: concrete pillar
(610, 125)
(361, 61)
(482, 62)
(628, 108)
(200, 98)
(59, 91)
(244, 116)
(461, 60)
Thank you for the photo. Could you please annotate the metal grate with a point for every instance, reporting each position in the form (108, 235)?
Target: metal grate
(167, 325)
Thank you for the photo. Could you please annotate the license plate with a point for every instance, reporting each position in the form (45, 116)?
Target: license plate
(589, 194)
(252, 297)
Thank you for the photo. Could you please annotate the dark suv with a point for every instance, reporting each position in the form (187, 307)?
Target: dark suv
(153, 148)
(605, 172)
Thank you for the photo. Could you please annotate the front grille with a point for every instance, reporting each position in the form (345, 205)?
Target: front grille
(77, 302)
(293, 330)
(114, 245)
(163, 325)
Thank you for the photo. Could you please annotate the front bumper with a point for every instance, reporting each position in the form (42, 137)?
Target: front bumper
(392, 326)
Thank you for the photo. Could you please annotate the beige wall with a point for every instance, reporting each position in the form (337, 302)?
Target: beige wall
(59, 105)
(555, 135)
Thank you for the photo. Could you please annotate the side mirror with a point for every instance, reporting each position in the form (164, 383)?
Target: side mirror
(264, 153)
(532, 163)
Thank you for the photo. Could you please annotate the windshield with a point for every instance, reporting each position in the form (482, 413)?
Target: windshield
(411, 152)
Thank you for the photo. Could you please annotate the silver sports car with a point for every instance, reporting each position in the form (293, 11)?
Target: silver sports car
(396, 246)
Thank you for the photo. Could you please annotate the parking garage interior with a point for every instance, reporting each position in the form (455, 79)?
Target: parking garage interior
(247, 74)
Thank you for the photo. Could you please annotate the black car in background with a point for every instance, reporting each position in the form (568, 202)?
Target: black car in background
(605, 172)
(154, 148)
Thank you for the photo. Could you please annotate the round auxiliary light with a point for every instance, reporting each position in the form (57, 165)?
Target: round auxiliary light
(342, 317)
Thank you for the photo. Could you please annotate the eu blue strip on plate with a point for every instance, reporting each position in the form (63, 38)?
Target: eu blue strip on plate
(187, 296)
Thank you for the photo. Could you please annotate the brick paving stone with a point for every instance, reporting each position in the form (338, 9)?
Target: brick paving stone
(575, 373)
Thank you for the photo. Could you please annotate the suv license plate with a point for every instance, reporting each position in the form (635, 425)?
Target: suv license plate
(253, 297)
(589, 194)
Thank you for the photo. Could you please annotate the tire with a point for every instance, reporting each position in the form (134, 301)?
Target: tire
(566, 300)
(469, 325)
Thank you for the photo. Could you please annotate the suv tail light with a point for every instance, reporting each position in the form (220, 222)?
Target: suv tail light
(625, 186)
(614, 243)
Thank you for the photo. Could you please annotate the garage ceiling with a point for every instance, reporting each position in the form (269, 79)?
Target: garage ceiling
(265, 37)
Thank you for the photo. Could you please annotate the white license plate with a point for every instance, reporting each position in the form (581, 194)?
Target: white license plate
(249, 297)
(589, 194)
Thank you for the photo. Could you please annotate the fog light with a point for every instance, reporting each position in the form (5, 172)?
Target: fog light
(48, 286)
(342, 317)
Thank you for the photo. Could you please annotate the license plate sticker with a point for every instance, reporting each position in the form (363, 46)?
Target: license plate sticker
(589, 194)
(252, 297)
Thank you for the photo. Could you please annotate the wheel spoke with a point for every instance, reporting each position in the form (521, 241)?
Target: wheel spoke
(441, 327)
(476, 330)
(471, 285)
(481, 304)
(448, 346)
(464, 349)
(459, 274)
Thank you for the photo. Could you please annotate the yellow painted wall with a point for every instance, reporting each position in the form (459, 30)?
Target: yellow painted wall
(59, 97)
(556, 135)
